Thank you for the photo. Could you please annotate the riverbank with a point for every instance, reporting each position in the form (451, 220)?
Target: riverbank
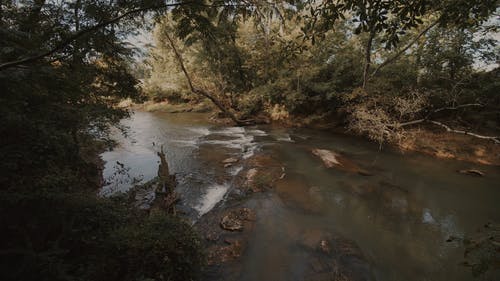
(445, 145)
(168, 107)
(423, 139)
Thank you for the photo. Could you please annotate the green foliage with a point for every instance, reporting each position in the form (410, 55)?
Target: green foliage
(55, 113)
(263, 64)
(159, 248)
(85, 238)
(394, 18)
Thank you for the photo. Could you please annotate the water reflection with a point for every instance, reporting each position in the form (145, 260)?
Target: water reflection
(397, 220)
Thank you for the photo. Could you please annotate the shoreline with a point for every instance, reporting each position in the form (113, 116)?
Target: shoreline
(421, 139)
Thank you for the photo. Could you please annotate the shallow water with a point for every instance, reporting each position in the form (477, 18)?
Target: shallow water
(400, 217)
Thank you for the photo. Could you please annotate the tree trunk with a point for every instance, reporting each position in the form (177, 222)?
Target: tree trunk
(368, 57)
(203, 92)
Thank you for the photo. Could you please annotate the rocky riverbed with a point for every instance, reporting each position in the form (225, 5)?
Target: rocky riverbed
(296, 204)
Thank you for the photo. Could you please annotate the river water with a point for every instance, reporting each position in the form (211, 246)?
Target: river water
(400, 217)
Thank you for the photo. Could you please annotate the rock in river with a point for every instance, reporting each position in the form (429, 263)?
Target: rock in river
(230, 160)
(332, 159)
(472, 172)
(234, 220)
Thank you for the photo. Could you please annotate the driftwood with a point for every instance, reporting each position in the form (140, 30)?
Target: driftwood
(448, 129)
(495, 139)
(166, 184)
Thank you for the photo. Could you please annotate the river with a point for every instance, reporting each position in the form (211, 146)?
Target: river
(400, 217)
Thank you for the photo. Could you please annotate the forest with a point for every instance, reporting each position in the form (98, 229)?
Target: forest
(410, 76)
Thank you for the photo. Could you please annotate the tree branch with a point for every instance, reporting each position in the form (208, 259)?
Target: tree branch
(456, 107)
(72, 38)
(400, 52)
(448, 129)
(411, 122)
(426, 118)
(368, 55)
(83, 32)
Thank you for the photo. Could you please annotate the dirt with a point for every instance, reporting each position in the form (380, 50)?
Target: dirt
(452, 146)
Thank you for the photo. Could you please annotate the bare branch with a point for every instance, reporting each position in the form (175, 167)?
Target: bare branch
(456, 107)
(436, 111)
(448, 129)
(414, 122)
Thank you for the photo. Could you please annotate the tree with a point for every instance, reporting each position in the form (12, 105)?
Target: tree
(63, 68)
(391, 19)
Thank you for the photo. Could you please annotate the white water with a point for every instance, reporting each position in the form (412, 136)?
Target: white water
(214, 195)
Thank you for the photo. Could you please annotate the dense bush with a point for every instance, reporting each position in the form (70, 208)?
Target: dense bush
(55, 111)
(82, 237)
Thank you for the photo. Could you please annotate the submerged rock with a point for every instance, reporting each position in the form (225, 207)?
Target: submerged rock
(329, 158)
(234, 220)
(250, 180)
(332, 257)
(218, 254)
(332, 159)
(262, 172)
(295, 192)
(231, 160)
(250, 176)
(231, 223)
(472, 172)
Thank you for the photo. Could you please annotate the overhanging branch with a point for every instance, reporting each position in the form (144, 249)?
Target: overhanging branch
(400, 52)
(84, 32)
(203, 92)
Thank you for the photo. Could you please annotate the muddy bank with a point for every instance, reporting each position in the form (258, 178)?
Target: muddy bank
(452, 146)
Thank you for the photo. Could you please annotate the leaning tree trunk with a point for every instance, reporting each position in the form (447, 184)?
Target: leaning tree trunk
(368, 57)
(203, 92)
